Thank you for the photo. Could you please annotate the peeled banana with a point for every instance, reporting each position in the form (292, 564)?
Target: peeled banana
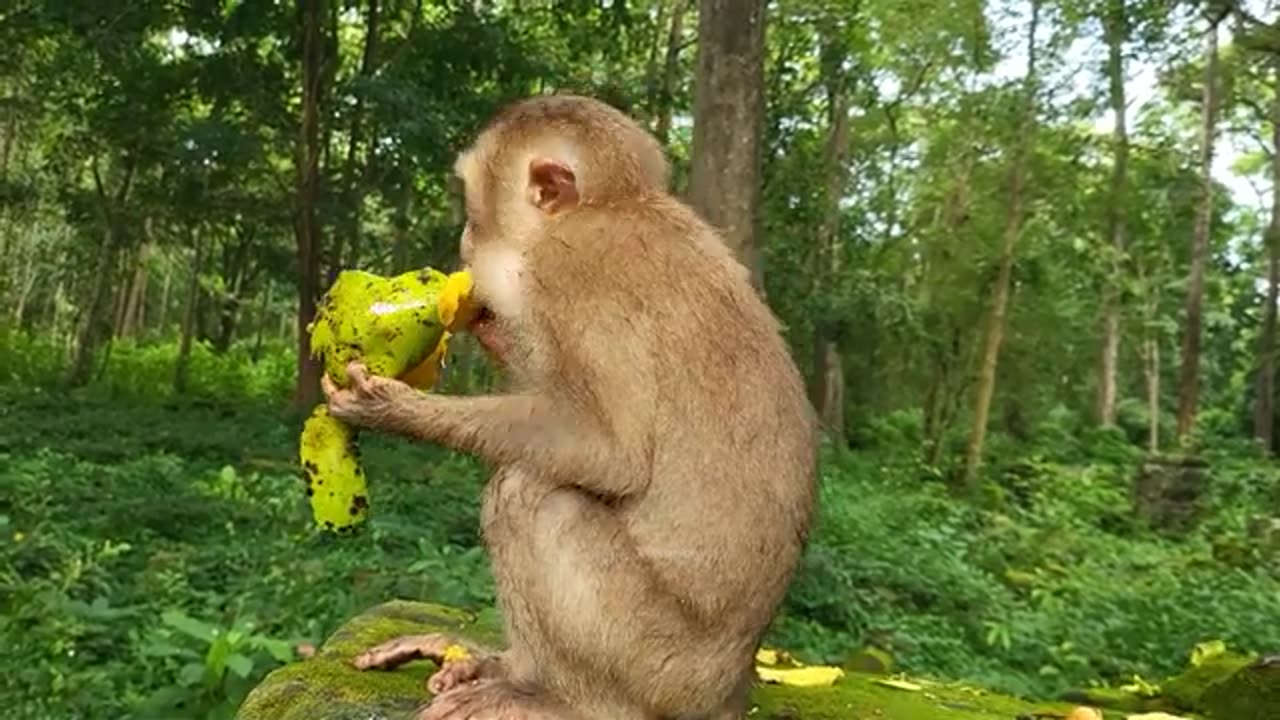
(398, 327)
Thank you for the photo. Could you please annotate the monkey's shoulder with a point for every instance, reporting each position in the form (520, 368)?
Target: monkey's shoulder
(643, 244)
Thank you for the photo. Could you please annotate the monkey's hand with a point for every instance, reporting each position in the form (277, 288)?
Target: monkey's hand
(373, 402)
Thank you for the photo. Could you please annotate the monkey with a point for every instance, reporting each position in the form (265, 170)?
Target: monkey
(653, 453)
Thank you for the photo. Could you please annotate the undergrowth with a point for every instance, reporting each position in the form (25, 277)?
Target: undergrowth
(157, 555)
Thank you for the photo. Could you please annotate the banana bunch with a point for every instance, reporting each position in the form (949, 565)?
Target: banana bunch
(398, 327)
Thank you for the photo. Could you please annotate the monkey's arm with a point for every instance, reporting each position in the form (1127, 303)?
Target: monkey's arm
(503, 429)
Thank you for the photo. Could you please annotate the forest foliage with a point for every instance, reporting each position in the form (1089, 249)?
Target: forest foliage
(1004, 293)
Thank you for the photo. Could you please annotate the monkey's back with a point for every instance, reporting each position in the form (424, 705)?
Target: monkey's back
(734, 439)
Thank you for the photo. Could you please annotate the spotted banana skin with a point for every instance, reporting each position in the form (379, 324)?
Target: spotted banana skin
(398, 327)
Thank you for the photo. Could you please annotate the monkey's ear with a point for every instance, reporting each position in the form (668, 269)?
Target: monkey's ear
(552, 185)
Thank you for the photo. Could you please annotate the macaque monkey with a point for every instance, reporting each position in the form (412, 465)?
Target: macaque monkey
(654, 456)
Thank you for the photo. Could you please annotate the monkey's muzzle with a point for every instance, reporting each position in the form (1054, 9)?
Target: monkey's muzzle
(485, 327)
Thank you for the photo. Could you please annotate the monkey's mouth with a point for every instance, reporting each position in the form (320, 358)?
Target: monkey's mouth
(485, 328)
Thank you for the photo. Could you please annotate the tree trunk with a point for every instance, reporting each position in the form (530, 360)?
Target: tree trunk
(7, 146)
(941, 397)
(93, 326)
(190, 309)
(670, 71)
(999, 305)
(1189, 376)
(1117, 33)
(26, 282)
(355, 176)
(229, 312)
(1151, 368)
(131, 319)
(124, 262)
(97, 318)
(828, 373)
(262, 321)
(312, 14)
(162, 321)
(1264, 400)
(725, 168)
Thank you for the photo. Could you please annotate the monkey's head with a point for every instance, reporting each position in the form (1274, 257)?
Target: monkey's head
(535, 163)
(546, 156)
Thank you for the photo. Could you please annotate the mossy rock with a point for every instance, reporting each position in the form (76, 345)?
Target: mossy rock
(1118, 700)
(1186, 690)
(1250, 693)
(327, 687)
(870, 660)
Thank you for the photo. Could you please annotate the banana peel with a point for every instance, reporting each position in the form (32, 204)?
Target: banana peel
(398, 327)
(795, 674)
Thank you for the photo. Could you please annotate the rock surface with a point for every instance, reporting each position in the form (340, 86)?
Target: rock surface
(327, 687)
(1167, 492)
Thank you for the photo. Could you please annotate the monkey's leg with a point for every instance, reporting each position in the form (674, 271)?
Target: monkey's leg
(627, 629)
(451, 674)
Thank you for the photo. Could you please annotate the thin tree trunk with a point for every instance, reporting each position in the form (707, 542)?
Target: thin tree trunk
(190, 309)
(7, 148)
(670, 71)
(1151, 369)
(26, 283)
(97, 320)
(1264, 401)
(229, 313)
(999, 305)
(938, 403)
(312, 15)
(262, 320)
(1189, 376)
(1116, 32)
(355, 178)
(235, 269)
(55, 309)
(725, 168)
(828, 374)
(135, 310)
(95, 316)
(125, 262)
(162, 321)
(131, 314)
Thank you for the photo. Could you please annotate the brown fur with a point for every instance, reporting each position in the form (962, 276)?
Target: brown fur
(654, 462)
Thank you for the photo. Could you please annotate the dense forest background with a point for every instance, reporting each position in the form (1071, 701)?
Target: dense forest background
(1026, 251)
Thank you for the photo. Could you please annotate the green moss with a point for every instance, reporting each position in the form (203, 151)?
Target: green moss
(1116, 699)
(327, 687)
(858, 695)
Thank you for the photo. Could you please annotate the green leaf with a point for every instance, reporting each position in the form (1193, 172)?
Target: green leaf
(239, 664)
(189, 626)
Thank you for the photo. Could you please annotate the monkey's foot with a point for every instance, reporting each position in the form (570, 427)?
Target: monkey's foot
(493, 700)
(460, 663)
(455, 673)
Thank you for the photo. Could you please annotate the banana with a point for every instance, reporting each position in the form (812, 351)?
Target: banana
(336, 483)
(398, 327)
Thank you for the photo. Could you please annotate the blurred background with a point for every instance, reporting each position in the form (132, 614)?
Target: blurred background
(1027, 254)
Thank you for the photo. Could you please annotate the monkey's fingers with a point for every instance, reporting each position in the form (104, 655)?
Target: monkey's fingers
(326, 384)
(359, 375)
(394, 653)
